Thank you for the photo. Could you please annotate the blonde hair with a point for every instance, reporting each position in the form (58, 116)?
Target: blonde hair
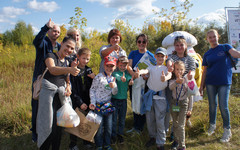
(214, 31)
(70, 33)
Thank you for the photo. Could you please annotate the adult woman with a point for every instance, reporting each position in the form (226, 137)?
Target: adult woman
(180, 53)
(134, 57)
(113, 49)
(217, 77)
(55, 86)
(75, 34)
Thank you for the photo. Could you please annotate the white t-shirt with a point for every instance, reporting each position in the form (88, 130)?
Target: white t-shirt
(154, 81)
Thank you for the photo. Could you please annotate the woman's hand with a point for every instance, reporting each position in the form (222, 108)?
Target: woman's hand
(68, 91)
(115, 47)
(92, 107)
(201, 90)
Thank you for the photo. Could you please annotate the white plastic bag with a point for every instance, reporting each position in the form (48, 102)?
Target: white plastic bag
(192, 87)
(67, 117)
(93, 117)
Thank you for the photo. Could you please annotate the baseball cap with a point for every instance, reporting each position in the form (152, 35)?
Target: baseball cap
(123, 59)
(161, 50)
(110, 60)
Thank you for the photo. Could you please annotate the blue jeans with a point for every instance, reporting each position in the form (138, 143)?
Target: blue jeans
(103, 135)
(119, 116)
(222, 92)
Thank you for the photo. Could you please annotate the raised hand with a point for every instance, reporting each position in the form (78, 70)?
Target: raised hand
(189, 75)
(179, 79)
(50, 23)
(112, 83)
(131, 82)
(116, 47)
(74, 70)
(123, 78)
(163, 77)
(75, 63)
(136, 73)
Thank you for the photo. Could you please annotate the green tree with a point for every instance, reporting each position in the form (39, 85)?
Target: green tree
(78, 21)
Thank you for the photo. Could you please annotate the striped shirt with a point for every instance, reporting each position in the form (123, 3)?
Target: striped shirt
(189, 62)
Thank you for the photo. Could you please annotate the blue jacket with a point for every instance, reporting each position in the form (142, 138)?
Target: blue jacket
(43, 46)
(147, 101)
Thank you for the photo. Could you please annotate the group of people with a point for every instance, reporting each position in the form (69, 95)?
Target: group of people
(159, 91)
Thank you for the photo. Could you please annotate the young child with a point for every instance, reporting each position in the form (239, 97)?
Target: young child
(179, 105)
(119, 101)
(81, 85)
(155, 103)
(101, 91)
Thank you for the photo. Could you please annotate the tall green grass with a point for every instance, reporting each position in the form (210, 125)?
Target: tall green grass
(16, 68)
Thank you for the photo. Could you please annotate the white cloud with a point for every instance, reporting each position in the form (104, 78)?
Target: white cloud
(130, 9)
(17, 1)
(217, 17)
(43, 6)
(12, 12)
(35, 30)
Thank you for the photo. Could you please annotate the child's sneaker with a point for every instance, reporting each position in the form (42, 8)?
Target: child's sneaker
(211, 129)
(174, 145)
(108, 147)
(151, 142)
(226, 135)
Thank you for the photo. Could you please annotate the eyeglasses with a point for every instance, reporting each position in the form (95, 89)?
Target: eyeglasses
(143, 42)
(179, 37)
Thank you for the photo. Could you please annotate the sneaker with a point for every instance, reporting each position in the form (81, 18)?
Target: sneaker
(120, 139)
(151, 142)
(114, 140)
(130, 131)
(174, 145)
(108, 147)
(74, 148)
(99, 148)
(226, 135)
(211, 129)
(160, 148)
(188, 123)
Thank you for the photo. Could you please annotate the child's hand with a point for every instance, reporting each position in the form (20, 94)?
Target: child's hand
(163, 77)
(189, 75)
(84, 106)
(92, 107)
(131, 82)
(123, 78)
(112, 84)
(179, 79)
(92, 75)
(189, 113)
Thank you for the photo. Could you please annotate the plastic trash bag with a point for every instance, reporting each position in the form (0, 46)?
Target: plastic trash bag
(67, 117)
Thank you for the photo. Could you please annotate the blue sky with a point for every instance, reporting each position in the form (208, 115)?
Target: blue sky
(101, 13)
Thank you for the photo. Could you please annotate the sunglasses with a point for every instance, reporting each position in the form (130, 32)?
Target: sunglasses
(179, 37)
(143, 42)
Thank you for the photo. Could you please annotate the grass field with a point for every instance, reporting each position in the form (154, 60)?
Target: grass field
(15, 114)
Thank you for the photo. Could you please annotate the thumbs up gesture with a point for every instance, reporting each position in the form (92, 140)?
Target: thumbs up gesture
(50, 24)
(189, 75)
(179, 79)
(137, 73)
(123, 78)
(74, 70)
(131, 82)
(112, 83)
(163, 77)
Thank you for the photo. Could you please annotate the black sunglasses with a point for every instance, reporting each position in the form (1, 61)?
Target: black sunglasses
(139, 42)
(179, 37)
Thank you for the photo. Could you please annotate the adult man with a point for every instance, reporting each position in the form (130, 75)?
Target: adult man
(43, 44)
